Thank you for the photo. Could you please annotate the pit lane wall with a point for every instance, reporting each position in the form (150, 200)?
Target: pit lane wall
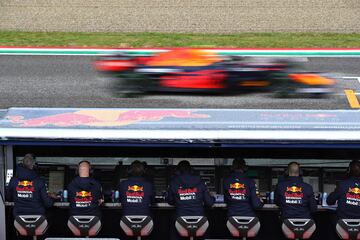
(201, 16)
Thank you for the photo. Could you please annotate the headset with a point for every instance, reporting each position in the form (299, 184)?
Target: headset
(91, 171)
(301, 173)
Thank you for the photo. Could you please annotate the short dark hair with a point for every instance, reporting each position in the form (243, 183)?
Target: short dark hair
(239, 164)
(354, 168)
(293, 168)
(136, 169)
(29, 161)
(184, 167)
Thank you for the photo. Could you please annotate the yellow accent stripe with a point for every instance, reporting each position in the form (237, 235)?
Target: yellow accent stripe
(352, 99)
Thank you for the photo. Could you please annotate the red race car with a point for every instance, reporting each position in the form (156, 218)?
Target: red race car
(194, 70)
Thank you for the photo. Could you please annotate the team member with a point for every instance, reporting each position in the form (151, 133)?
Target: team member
(240, 192)
(188, 193)
(28, 190)
(136, 192)
(294, 197)
(85, 194)
(347, 194)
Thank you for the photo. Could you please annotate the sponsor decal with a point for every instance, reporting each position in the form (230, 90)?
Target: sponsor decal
(25, 189)
(186, 194)
(83, 199)
(135, 194)
(237, 191)
(102, 118)
(294, 195)
(353, 196)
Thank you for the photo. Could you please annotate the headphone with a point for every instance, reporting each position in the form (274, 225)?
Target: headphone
(291, 163)
(91, 171)
(351, 164)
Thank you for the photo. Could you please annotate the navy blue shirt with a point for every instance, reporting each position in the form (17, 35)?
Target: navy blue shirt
(135, 196)
(189, 194)
(240, 195)
(347, 194)
(295, 198)
(84, 194)
(29, 193)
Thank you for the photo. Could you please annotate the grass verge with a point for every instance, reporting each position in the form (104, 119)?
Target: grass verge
(241, 40)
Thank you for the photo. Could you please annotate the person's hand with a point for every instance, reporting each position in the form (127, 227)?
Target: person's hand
(213, 194)
(53, 195)
(101, 201)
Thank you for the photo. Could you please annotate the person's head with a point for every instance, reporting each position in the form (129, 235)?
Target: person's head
(239, 165)
(29, 161)
(354, 168)
(184, 167)
(84, 168)
(293, 169)
(136, 169)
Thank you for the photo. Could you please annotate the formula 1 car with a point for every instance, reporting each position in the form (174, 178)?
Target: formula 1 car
(194, 70)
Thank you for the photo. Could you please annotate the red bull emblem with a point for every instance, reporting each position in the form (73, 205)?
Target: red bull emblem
(294, 189)
(237, 185)
(103, 117)
(354, 190)
(25, 183)
(83, 194)
(135, 188)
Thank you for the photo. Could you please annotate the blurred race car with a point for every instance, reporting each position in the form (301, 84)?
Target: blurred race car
(194, 70)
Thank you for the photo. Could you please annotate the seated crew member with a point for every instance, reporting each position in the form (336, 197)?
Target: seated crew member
(188, 193)
(346, 195)
(136, 192)
(294, 197)
(84, 192)
(27, 190)
(240, 192)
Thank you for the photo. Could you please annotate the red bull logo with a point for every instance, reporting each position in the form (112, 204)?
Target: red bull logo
(83, 194)
(102, 117)
(354, 190)
(294, 189)
(237, 185)
(135, 188)
(25, 183)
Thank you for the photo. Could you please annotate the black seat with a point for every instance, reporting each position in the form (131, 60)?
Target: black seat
(137, 226)
(191, 226)
(84, 226)
(348, 229)
(297, 228)
(243, 227)
(31, 225)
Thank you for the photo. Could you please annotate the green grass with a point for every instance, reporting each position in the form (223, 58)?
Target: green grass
(258, 40)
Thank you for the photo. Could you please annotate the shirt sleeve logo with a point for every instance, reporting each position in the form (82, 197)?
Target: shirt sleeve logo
(353, 196)
(83, 199)
(135, 194)
(25, 189)
(294, 195)
(237, 191)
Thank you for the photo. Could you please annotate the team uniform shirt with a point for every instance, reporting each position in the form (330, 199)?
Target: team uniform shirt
(295, 198)
(84, 195)
(189, 194)
(240, 195)
(135, 196)
(29, 193)
(347, 194)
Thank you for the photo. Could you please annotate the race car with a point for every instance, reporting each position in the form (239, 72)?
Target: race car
(195, 70)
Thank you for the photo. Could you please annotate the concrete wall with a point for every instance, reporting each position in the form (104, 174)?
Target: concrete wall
(213, 16)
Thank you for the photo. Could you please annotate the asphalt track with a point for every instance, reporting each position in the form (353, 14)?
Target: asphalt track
(70, 81)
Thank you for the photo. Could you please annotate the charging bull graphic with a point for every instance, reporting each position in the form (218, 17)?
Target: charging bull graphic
(353, 196)
(83, 199)
(294, 195)
(25, 189)
(135, 194)
(102, 117)
(237, 191)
